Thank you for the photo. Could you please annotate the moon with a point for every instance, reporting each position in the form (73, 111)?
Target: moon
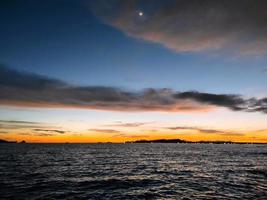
(140, 13)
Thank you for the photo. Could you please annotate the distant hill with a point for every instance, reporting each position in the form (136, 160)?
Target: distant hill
(5, 141)
(160, 141)
(184, 141)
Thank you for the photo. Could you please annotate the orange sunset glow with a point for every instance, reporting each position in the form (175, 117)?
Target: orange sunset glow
(119, 132)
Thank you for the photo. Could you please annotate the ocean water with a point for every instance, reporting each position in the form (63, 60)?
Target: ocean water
(133, 171)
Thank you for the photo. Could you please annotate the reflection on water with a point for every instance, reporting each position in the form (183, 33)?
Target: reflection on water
(133, 171)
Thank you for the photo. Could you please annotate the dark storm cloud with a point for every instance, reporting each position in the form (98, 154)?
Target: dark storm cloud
(206, 131)
(48, 93)
(191, 25)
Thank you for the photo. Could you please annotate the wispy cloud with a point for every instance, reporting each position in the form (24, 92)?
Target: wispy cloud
(29, 128)
(105, 130)
(17, 122)
(130, 136)
(191, 25)
(129, 125)
(206, 131)
(50, 130)
(12, 124)
(260, 130)
(44, 134)
(3, 132)
(29, 90)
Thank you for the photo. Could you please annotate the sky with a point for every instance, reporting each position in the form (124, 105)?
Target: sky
(116, 70)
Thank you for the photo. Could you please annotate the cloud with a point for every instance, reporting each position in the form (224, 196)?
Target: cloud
(33, 128)
(16, 90)
(12, 124)
(23, 133)
(260, 131)
(50, 130)
(44, 134)
(191, 25)
(130, 136)
(105, 130)
(235, 102)
(3, 132)
(206, 131)
(17, 122)
(129, 125)
(37, 134)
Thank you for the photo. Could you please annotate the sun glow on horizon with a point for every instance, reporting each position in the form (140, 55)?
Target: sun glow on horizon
(77, 126)
(133, 134)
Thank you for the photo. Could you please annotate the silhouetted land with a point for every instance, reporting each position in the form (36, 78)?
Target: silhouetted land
(184, 141)
(5, 141)
(153, 141)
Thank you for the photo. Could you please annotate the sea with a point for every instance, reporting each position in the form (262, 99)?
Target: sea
(133, 171)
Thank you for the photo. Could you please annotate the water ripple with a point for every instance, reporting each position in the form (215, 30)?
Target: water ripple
(133, 171)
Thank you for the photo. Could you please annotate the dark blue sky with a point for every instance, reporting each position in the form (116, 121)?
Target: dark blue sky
(65, 40)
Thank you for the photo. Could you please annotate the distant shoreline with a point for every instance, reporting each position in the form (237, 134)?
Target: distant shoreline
(6, 141)
(159, 141)
(190, 142)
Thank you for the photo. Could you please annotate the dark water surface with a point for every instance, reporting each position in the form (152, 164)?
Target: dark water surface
(133, 171)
